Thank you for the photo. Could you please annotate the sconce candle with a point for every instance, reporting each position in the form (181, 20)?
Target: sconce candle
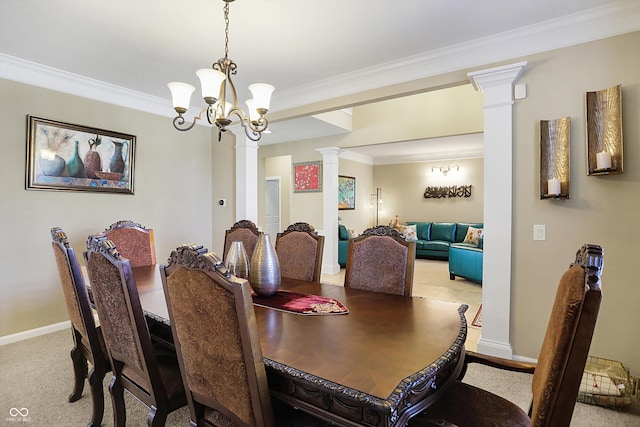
(554, 186)
(603, 160)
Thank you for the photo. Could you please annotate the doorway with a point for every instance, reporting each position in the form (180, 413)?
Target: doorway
(272, 207)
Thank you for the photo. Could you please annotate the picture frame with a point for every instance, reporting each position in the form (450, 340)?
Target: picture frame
(307, 177)
(70, 157)
(346, 192)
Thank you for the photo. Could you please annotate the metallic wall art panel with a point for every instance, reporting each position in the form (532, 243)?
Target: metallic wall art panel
(555, 170)
(448, 191)
(604, 131)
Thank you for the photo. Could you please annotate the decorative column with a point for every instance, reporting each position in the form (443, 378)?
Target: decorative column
(497, 87)
(246, 178)
(330, 208)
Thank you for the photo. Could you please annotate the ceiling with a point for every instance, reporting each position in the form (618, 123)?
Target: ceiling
(309, 50)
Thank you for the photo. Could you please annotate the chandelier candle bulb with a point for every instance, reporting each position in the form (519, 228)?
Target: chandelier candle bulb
(603, 160)
(554, 186)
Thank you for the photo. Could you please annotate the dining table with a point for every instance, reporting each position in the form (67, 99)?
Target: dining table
(379, 364)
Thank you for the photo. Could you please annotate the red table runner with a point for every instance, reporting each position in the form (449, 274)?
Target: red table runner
(294, 302)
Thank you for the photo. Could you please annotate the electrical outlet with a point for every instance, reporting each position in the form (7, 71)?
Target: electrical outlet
(539, 232)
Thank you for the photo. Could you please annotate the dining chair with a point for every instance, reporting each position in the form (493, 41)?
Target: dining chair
(560, 366)
(381, 260)
(216, 338)
(244, 231)
(147, 369)
(299, 250)
(88, 343)
(134, 242)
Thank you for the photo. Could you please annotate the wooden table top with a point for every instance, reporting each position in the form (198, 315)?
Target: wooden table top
(383, 341)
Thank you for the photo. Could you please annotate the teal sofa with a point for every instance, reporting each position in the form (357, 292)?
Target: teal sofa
(435, 238)
(445, 241)
(465, 261)
(343, 245)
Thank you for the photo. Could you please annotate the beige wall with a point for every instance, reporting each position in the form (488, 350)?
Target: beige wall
(173, 190)
(403, 189)
(456, 111)
(174, 194)
(363, 216)
(603, 209)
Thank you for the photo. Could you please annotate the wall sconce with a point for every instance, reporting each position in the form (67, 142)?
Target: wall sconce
(554, 158)
(604, 131)
(445, 169)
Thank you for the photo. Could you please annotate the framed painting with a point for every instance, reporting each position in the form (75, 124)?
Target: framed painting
(63, 156)
(307, 177)
(346, 192)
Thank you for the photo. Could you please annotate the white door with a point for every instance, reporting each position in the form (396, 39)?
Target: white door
(272, 208)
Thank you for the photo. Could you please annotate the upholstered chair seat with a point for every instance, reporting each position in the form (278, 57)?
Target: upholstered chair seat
(381, 260)
(89, 346)
(216, 338)
(244, 231)
(147, 369)
(558, 372)
(134, 242)
(299, 250)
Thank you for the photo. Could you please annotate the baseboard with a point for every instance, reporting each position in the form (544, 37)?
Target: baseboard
(495, 348)
(32, 333)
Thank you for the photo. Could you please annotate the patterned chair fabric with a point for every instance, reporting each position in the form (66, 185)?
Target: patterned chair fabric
(147, 370)
(88, 344)
(381, 260)
(299, 250)
(134, 242)
(244, 231)
(558, 373)
(216, 338)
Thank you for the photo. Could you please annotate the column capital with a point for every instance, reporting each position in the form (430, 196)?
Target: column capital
(330, 153)
(506, 74)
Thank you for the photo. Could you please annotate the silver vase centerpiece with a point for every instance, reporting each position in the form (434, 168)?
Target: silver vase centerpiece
(264, 269)
(237, 261)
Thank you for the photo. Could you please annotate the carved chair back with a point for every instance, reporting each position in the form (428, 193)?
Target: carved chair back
(299, 250)
(213, 324)
(558, 372)
(134, 242)
(149, 372)
(88, 344)
(381, 260)
(244, 231)
(565, 348)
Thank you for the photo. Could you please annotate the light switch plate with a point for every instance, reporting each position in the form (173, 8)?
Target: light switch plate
(539, 232)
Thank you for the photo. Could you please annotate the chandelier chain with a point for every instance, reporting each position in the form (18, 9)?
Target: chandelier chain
(226, 30)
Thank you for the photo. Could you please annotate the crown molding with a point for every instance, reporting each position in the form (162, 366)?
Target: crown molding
(32, 73)
(598, 23)
(594, 24)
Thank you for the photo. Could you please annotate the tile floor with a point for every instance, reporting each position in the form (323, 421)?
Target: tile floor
(431, 280)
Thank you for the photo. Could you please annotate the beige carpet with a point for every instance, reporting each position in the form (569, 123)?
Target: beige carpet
(36, 374)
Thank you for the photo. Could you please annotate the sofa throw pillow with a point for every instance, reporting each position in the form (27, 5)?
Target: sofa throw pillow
(473, 235)
(353, 233)
(343, 233)
(410, 233)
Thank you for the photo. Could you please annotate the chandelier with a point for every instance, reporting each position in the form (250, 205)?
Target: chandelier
(216, 86)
